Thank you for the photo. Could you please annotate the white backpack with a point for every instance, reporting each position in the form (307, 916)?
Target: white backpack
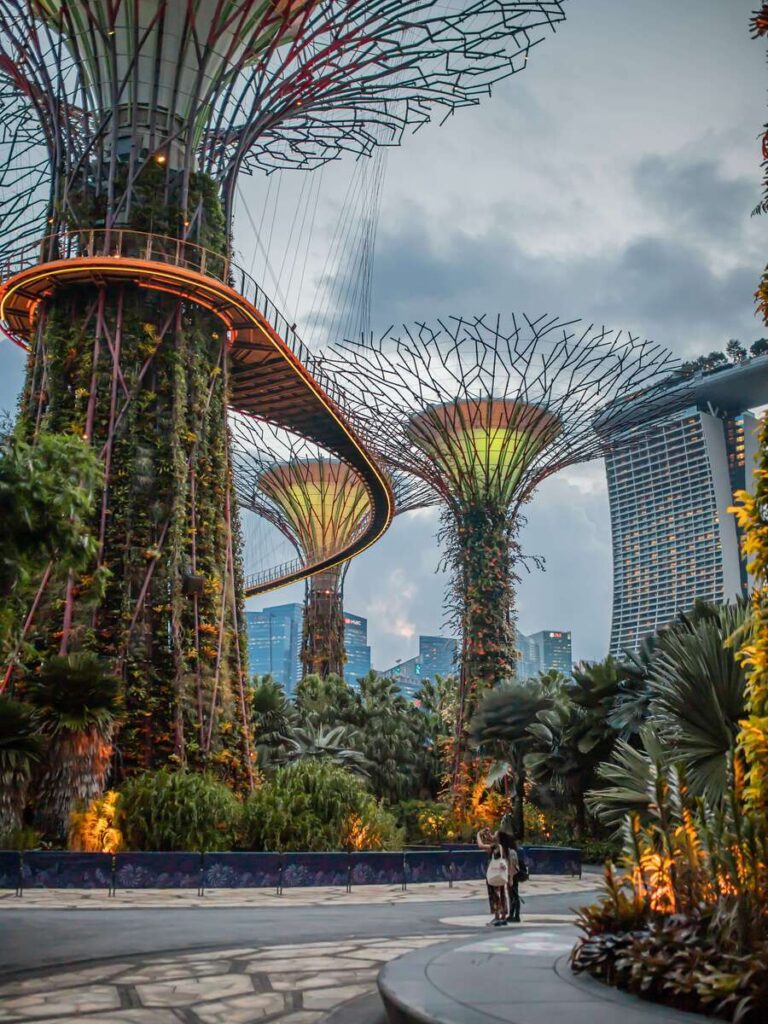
(497, 873)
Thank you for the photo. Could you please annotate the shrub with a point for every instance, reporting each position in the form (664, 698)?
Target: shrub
(316, 805)
(426, 822)
(177, 810)
(374, 828)
(21, 839)
(94, 830)
(598, 851)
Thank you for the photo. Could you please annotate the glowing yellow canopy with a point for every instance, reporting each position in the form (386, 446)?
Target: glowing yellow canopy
(323, 500)
(483, 446)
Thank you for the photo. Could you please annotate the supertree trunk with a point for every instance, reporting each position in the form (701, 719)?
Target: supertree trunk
(143, 376)
(323, 640)
(481, 553)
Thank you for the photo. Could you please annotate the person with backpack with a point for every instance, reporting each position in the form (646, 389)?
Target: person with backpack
(497, 878)
(517, 873)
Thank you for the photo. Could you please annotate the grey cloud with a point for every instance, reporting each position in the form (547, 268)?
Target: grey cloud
(657, 286)
(696, 196)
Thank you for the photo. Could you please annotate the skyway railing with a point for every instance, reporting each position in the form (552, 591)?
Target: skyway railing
(176, 252)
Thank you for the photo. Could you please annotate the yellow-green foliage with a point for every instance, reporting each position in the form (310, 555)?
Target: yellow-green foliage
(752, 514)
(177, 810)
(94, 830)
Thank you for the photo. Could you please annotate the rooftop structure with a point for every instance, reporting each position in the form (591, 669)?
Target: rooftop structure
(674, 540)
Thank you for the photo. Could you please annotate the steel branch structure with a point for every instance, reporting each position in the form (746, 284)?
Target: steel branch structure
(142, 334)
(223, 86)
(321, 505)
(482, 410)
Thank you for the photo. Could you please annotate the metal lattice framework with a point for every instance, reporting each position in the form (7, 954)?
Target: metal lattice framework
(224, 86)
(146, 113)
(482, 410)
(322, 506)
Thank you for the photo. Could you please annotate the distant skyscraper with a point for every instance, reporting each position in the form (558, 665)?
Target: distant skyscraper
(407, 675)
(528, 657)
(358, 662)
(274, 643)
(542, 651)
(437, 655)
(673, 538)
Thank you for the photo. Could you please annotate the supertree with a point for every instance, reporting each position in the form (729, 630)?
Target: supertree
(483, 410)
(322, 506)
(140, 330)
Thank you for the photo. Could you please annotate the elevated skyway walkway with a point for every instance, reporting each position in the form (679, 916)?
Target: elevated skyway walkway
(273, 376)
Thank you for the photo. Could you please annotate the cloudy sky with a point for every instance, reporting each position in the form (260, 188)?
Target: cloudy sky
(613, 180)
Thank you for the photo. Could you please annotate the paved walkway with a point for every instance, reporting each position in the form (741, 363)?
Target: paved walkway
(508, 977)
(269, 974)
(297, 984)
(84, 899)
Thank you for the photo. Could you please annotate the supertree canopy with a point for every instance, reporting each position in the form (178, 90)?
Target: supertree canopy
(213, 88)
(141, 332)
(321, 505)
(323, 502)
(483, 410)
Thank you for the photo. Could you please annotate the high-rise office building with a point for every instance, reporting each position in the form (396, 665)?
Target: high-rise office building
(540, 652)
(673, 538)
(527, 657)
(407, 675)
(437, 655)
(358, 652)
(274, 643)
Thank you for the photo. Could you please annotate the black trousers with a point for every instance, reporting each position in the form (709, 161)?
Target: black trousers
(513, 895)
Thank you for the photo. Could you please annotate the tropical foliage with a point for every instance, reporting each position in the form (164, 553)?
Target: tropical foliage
(47, 491)
(95, 830)
(686, 922)
(316, 805)
(177, 810)
(20, 748)
(393, 743)
(77, 700)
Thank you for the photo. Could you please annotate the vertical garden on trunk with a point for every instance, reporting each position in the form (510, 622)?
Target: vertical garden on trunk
(143, 377)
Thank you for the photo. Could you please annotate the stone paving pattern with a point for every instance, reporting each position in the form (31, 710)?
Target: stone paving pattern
(82, 899)
(291, 984)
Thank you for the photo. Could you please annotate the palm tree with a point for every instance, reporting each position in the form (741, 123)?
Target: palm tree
(696, 700)
(500, 728)
(317, 742)
(78, 700)
(698, 694)
(20, 749)
(274, 717)
(389, 734)
(328, 700)
(628, 781)
(437, 703)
